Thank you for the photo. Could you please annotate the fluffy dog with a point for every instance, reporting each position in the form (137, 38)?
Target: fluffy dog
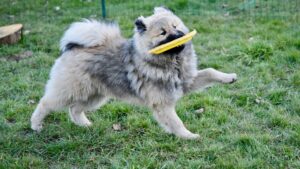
(97, 64)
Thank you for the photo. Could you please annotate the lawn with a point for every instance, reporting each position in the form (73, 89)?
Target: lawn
(254, 123)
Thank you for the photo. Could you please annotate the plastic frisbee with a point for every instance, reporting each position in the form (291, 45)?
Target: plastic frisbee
(173, 44)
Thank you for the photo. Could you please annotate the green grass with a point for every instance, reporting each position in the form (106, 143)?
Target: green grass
(254, 123)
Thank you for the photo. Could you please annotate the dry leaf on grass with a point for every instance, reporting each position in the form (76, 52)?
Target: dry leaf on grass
(199, 111)
(117, 127)
(30, 102)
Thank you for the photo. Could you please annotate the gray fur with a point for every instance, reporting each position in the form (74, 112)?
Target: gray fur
(121, 76)
(84, 78)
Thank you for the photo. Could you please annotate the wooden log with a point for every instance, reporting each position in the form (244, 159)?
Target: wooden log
(10, 34)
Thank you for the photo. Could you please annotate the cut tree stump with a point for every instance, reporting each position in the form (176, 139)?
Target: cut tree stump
(10, 34)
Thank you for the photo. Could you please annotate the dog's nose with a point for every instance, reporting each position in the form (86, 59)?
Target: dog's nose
(174, 36)
(180, 34)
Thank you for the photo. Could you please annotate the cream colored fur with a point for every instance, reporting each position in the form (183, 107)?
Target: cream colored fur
(104, 65)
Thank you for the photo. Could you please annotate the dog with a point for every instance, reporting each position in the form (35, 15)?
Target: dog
(98, 64)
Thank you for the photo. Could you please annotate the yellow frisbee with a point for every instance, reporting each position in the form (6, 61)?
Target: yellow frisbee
(173, 44)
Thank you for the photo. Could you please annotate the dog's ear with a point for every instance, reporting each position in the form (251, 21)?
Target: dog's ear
(140, 25)
(162, 9)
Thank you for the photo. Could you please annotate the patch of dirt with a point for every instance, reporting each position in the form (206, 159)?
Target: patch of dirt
(19, 56)
(11, 120)
(27, 131)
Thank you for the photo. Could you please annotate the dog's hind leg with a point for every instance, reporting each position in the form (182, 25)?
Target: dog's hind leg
(77, 110)
(208, 77)
(96, 103)
(45, 106)
(77, 114)
(168, 119)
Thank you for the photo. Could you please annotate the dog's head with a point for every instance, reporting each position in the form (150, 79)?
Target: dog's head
(161, 27)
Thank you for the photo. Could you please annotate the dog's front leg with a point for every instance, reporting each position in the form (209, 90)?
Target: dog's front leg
(207, 77)
(168, 119)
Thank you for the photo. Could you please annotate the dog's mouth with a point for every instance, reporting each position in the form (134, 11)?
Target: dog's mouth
(170, 38)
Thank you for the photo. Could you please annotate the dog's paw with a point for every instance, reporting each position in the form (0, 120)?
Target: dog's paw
(229, 78)
(83, 122)
(80, 119)
(192, 136)
(86, 124)
(189, 136)
(36, 127)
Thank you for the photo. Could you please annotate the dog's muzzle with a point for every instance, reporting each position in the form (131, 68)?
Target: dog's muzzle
(170, 38)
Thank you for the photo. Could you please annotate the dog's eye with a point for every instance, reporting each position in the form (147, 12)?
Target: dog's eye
(174, 26)
(164, 32)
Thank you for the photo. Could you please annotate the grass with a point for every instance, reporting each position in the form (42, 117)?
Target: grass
(254, 123)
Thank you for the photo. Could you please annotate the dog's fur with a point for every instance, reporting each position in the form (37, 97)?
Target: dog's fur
(97, 63)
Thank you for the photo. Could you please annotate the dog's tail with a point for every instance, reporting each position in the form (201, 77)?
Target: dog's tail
(90, 33)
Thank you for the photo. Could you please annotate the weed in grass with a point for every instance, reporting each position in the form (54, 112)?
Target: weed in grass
(260, 51)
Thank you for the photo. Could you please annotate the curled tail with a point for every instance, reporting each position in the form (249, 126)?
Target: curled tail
(90, 33)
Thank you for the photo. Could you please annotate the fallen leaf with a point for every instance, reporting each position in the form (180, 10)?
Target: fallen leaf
(251, 39)
(26, 32)
(257, 101)
(57, 8)
(117, 127)
(30, 102)
(224, 5)
(199, 111)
